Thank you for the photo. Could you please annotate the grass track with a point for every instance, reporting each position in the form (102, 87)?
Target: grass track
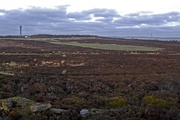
(109, 46)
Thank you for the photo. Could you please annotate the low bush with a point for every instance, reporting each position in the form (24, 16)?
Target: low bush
(117, 102)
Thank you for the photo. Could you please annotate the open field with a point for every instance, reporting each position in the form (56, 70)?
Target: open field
(109, 46)
(108, 78)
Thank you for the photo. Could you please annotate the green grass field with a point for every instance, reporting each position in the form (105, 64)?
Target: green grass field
(109, 46)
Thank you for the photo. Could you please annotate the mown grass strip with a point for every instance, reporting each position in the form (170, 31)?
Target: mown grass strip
(109, 46)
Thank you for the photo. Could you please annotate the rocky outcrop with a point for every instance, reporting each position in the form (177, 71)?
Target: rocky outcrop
(7, 105)
(38, 108)
(57, 110)
(18, 107)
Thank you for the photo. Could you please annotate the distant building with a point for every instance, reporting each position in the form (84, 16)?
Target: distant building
(27, 36)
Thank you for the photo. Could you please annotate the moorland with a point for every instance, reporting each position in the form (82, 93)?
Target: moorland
(89, 78)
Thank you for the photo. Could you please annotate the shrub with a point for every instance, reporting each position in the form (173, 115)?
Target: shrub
(155, 101)
(117, 102)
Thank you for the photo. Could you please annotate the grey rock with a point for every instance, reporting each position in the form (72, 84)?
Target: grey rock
(57, 110)
(1, 108)
(64, 72)
(7, 105)
(37, 108)
(84, 112)
(22, 89)
(97, 111)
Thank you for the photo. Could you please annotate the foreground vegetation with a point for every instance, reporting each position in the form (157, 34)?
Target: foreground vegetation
(44, 81)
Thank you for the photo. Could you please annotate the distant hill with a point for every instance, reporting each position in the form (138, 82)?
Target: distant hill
(46, 36)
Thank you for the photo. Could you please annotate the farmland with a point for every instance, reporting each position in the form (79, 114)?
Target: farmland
(106, 78)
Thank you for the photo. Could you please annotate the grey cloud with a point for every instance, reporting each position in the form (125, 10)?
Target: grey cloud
(102, 12)
(79, 16)
(107, 14)
(58, 21)
(157, 19)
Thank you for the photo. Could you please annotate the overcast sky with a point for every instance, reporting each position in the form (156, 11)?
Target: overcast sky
(95, 17)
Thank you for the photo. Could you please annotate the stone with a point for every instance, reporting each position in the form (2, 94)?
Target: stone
(97, 111)
(22, 89)
(64, 56)
(38, 108)
(64, 72)
(84, 112)
(63, 61)
(57, 110)
(7, 105)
